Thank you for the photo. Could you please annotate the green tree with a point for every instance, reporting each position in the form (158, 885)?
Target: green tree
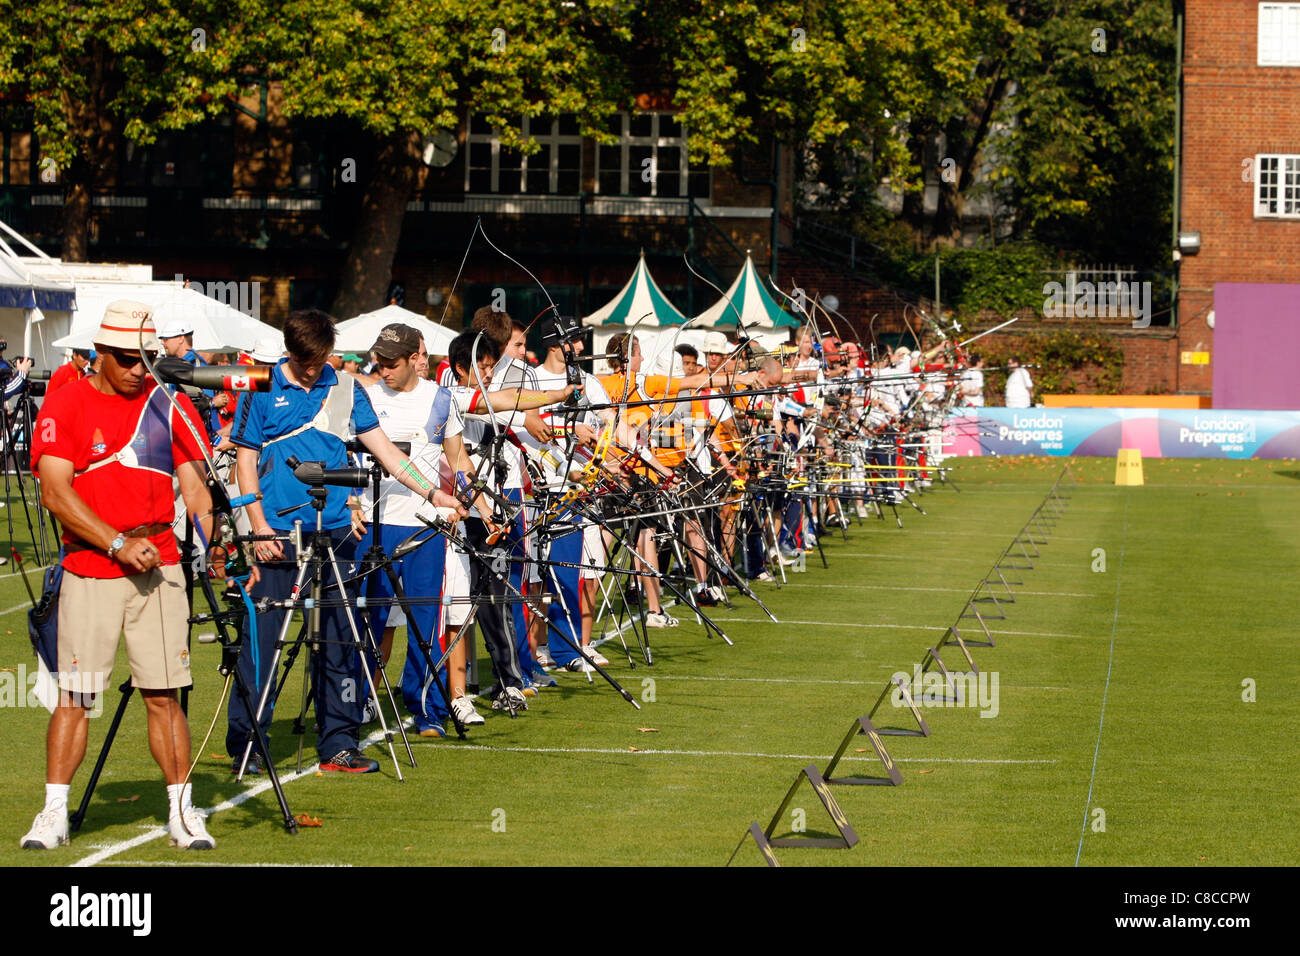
(1091, 157)
(97, 70)
(404, 69)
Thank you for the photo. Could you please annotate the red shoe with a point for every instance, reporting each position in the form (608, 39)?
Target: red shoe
(350, 761)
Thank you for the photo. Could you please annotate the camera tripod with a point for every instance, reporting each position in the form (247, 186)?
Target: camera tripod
(315, 556)
(230, 650)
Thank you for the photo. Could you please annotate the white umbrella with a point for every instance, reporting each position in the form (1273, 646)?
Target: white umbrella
(216, 325)
(358, 334)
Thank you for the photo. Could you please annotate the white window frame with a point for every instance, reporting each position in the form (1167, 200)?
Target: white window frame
(656, 142)
(1279, 35)
(1277, 186)
(545, 130)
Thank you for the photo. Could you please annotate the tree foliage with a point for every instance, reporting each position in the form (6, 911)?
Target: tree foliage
(1075, 139)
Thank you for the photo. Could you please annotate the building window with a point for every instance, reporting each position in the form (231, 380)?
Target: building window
(649, 159)
(556, 169)
(1277, 186)
(1279, 34)
(18, 151)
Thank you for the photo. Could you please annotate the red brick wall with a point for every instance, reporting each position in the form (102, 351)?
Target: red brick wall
(1150, 357)
(1232, 109)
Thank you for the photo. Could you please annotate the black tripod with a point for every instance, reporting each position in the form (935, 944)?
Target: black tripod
(230, 650)
(313, 553)
(375, 560)
(15, 433)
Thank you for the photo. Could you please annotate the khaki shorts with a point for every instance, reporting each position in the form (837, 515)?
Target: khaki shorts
(151, 609)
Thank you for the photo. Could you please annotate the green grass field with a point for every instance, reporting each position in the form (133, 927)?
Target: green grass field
(1138, 669)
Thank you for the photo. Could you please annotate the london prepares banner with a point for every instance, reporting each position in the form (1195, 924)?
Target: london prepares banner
(1157, 432)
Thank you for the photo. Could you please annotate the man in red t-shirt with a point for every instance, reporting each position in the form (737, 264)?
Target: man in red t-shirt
(106, 449)
(73, 371)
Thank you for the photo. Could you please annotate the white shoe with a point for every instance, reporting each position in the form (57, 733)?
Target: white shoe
(595, 656)
(765, 577)
(660, 619)
(862, 511)
(371, 713)
(48, 831)
(543, 656)
(464, 710)
(188, 831)
(718, 594)
(579, 665)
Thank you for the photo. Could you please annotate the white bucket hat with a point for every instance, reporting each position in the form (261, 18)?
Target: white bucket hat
(124, 320)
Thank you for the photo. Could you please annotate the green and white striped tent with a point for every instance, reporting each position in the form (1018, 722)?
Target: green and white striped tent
(641, 295)
(749, 297)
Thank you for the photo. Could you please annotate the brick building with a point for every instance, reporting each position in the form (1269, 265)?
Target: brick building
(1239, 188)
(250, 196)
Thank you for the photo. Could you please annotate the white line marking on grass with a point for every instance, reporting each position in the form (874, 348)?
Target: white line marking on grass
(897, 627)
(1110, 662)
(727, 753)
(30, 569)
(998, 535)
(903, 557)
(199, 863)
(154, 832)
(893, 587)
(818, 680)
(16, 607)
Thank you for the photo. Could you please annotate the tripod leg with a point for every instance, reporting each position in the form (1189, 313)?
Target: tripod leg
(274, 666)
(74, 821)
(370, 682)
(776, 544)
(263, 748)
(425, 646)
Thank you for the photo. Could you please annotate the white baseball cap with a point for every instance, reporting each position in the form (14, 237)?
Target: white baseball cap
(176, 328)
(267, 350)
(716, 342)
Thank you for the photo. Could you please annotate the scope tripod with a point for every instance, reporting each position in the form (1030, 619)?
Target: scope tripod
(314, 554)
(231, 647)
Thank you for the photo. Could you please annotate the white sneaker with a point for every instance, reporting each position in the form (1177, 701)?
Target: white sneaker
(861, 510)
(464, 710)
(595, 656)
(188, 831)
(49, 830)
(579, 665)
(543, 656)
(660, 619)
(765, 577)
(371, 713)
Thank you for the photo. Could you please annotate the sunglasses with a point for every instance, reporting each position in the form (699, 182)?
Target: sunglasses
(126, 358)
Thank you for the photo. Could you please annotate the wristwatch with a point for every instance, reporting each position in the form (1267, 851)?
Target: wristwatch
(118, 544)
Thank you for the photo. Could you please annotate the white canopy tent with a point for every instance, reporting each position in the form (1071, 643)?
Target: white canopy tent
(359, 333)
(35, 309)
(217, 326)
